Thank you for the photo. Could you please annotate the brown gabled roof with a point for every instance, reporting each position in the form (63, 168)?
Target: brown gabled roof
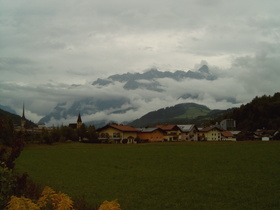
(148, 130)
(124, 128)
(166, 127)
(227, 134)
(206, 129)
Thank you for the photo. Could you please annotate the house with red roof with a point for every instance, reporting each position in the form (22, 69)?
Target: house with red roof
(113, 133)
(228, 136)
(171, 132)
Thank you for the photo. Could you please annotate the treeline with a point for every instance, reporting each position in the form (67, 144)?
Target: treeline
(62, 134)
(47, 135)
(261, 113)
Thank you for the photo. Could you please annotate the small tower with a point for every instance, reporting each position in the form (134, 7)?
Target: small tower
(79, 121)
(23, 119)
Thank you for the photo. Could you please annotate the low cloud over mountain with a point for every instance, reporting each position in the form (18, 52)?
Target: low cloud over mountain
(126, 97)
(148, 80)
(123, 98)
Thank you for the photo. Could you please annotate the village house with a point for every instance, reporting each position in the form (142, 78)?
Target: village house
(151, 135)
(171, 132)
(228, 136)
(113, 133)
(264, 134)
(189, 132)
(211, 133)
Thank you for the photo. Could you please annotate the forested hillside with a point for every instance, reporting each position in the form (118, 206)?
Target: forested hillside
(261, 112)
(185, 113)
(15, 119)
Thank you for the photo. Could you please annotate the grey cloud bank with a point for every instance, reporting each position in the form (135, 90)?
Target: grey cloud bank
(46, 46)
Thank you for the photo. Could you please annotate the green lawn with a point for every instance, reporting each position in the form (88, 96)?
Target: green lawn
(194, 175)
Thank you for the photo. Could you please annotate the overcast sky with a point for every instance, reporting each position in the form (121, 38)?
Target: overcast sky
(47, 45)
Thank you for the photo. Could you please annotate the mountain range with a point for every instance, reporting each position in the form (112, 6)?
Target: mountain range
(7, 109)
(126, 97)
(261, 112)
(148, 79)
(179, 114)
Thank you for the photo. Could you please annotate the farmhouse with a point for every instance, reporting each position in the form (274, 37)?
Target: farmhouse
(189, 132)
(227, 136)
(212, 133)
(113, 133)
(151, 135)
(171, 132)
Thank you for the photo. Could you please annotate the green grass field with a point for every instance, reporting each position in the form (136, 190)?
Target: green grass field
(193, 175)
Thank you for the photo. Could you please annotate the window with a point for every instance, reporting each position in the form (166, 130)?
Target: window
(116, 135)
(104, 135)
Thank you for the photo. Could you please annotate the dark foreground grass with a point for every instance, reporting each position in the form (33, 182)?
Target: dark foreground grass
(198, 175)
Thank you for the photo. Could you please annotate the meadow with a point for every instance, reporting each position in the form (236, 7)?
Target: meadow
(190, 175)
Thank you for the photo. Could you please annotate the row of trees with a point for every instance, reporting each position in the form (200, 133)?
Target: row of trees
(48, 136)
(62, 134)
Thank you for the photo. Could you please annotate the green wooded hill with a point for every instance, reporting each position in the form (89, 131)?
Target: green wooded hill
(184, 113)
(16, 119)
(261, 112)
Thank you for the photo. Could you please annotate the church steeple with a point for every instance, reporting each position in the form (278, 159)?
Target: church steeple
(23, 119)
(23, 112)
(79, 121)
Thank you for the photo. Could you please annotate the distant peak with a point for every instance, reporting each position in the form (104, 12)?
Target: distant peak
(152, 71)
(204, 69)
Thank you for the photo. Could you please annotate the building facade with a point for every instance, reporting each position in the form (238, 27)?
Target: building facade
(151, 135)
(189, 132)
(117, 134)
(212, 133)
